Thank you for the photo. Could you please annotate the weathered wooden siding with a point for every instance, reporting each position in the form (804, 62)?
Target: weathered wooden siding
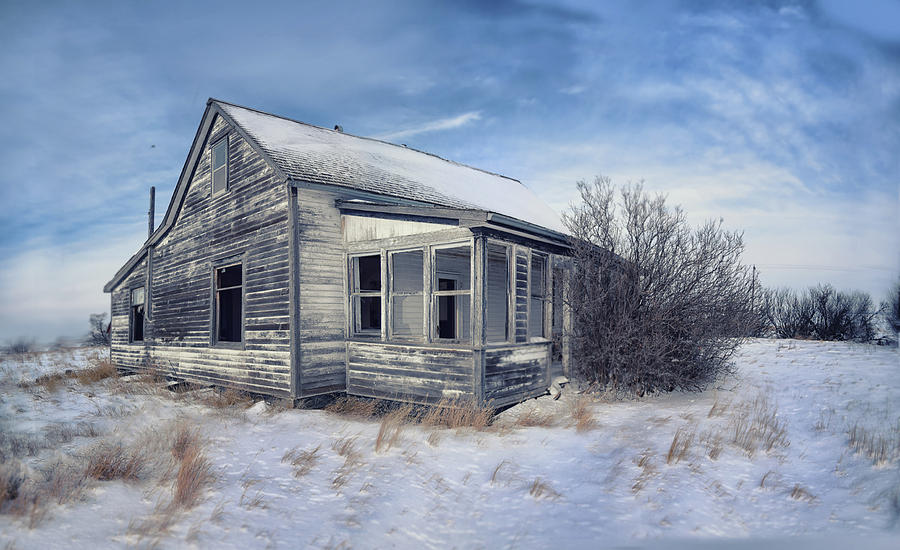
(124, 353)
(410, 373)
(322, 277)
(515, 373)
(247, 223)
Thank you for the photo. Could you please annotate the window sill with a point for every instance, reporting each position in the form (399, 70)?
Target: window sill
(228, 345)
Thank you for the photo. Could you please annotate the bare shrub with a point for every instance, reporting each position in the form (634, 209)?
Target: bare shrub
(453, 413)
(107, 462)
(821, 313)
(98, 335)
(12, 477)
(659, 303)
(391, 426)
(21, 346)
(302, 461)
(891, 308)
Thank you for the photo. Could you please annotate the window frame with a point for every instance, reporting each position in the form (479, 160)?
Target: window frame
(435, 294)
(214, 302)
(510, 321)
(224, 140)
(545, 260)
(356, 293)
(131, 307)
(391, 293)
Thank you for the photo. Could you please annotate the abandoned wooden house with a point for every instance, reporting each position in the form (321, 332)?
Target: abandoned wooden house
(295, 260)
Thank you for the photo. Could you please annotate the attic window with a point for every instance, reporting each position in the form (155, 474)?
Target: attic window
(136, 330)
(220, 166)
(228, 306)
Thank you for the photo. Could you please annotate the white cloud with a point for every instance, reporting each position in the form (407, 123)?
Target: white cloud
(435, 126)
(49, 291)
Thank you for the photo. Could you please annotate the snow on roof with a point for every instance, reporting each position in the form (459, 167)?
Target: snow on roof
(319, 155)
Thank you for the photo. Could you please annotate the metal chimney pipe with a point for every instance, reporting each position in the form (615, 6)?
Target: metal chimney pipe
(151, 215)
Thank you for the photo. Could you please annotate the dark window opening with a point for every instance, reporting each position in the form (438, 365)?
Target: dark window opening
(220, 166)
(229, 295)
(136, 331)
(452, 293)
(446, 310)
(366, 294)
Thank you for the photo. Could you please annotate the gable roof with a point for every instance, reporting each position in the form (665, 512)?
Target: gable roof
(319, 155)
(302, 152)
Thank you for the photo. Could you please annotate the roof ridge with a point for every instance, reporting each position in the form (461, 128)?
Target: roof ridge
(376, 140)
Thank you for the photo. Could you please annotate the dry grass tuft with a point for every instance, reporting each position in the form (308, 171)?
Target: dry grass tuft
(11, 479)
(194, 473)
(718, 408)
(391, 427)
(799, 493)
(645, 462)
(756, 426)
(680, 446)
(107, 462)
(346, 447)
(354, 407)
(765, 477)
(454, 413)
(50, 382)
(542, 489)
(228, 398)
(581, 414)
(101, 370)
(714, 444)
(302, 461)
(534, 418)
(879, 447)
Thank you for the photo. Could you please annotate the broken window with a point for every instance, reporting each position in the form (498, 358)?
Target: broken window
(366, 294)
(538, 290)
(451, 288)
(220, 165)
(407, 288)
(136, 330)
(229, 297)
(497, 314)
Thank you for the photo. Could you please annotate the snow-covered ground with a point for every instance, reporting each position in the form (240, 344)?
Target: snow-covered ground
(801, 445)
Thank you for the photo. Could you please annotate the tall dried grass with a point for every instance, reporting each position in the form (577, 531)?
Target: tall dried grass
(458, 413)
(881, 447)
(110, 461)
(755, 426)
(391, 426)
(100, 370)
(680, 446)
(582, 415)
(355, 407)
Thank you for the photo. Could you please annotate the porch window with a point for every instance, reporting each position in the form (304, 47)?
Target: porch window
(136, 330)
(497, 314)
(451, 292)
(537, 298)
(229, 303)
(407, 289)
(366, 294)
(220, 166)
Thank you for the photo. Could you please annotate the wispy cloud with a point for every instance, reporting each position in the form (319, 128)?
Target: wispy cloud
(434, 126)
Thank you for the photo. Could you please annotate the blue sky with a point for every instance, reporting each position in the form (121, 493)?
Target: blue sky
(783, 118)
